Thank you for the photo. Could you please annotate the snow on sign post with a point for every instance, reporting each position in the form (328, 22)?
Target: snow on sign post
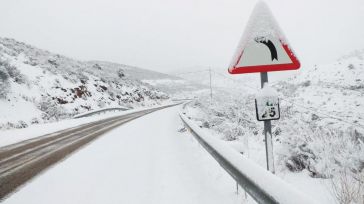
(267, 104)
(264, 48)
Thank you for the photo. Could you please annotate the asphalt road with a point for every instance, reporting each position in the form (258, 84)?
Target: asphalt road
(22, 161)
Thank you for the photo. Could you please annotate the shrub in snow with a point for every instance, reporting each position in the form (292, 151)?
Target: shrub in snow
(53, 62)
(357, 87)
(96, 66)
(276, 131)
(306, 83)
(34, 121)
(31, 62)
(121, 73)
(16, 75)
(4, 75)
(82, 77)
(13, 72)
(357, 136)
(323, 150)
(302, 140)
(314, 117)
(8, 125)
(4, 80)
(21, 124)
(226, 115)
(101, 103)
(205, 124)
(51, 110)
(348, 188)
(234, 133)
(302, 158)
(351, 66)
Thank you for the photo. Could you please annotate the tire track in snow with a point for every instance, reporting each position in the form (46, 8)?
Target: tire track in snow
(22, 161)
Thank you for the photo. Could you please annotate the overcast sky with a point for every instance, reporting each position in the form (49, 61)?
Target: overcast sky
(177, 35)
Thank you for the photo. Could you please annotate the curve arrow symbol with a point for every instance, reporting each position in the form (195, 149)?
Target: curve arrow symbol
(270, 45)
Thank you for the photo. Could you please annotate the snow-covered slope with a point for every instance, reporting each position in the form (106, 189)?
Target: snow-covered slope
(196, 82)
(134, 72)
(38, 86)
(220, 78)
(175, 86)
(324, 108)
(321, 130)
(336, 89)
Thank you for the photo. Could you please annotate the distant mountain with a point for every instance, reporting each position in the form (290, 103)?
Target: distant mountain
(221, 80)
(133, 72)
(173, 85)
(38, 86)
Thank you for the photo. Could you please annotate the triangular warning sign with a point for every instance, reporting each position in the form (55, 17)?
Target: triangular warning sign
(263, 47)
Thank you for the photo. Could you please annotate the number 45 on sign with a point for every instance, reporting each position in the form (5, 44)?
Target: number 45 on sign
(267, 104)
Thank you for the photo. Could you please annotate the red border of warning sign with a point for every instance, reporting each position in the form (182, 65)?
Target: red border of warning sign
(267, 68)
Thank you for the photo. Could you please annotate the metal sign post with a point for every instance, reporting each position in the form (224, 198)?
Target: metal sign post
(264, 48)
(268, 132)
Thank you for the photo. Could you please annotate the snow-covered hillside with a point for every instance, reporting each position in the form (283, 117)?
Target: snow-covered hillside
(174, 86)
(177, 88)
(336, 89)
(38, 86)
(321, 130)
(220, 78)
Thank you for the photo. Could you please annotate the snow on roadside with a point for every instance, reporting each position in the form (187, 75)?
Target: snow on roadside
(274, 186)
(319, 140)
(152, 164)
(254, 147)
(8, 137)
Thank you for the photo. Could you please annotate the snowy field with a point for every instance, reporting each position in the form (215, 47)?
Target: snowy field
(144, 161)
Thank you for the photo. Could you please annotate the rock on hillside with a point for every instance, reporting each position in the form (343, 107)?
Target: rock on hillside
(38, 86)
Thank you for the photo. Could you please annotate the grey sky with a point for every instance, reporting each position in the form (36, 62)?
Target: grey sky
(176, 35)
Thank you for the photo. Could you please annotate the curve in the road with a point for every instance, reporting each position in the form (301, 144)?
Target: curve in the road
(22, 161)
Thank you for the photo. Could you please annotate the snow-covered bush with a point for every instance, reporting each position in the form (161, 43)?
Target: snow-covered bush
(14, 73)
(348, 188)
(51, 110)
(4, 79)
(303, 141)
(21, 124)
(322, 150)
(121, 73)
(229, 116)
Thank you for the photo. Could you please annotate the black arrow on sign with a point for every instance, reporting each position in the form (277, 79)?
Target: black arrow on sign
(270, 45)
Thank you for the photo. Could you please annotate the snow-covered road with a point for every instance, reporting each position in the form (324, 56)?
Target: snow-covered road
(144, 161)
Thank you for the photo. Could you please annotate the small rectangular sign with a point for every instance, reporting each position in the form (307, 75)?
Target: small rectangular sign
(267, 108)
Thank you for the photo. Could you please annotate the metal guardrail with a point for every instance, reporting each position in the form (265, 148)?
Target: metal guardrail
(261, 185)
(94, 112)
(100, 111)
